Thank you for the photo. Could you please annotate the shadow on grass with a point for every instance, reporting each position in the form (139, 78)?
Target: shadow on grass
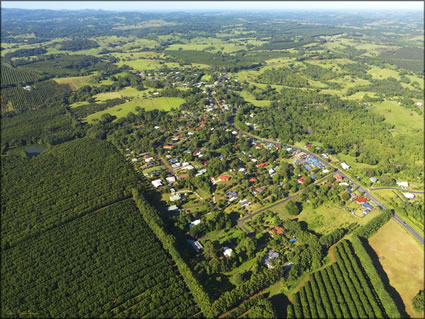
(280, 302)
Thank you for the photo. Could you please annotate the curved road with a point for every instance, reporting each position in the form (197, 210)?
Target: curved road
(365, 191)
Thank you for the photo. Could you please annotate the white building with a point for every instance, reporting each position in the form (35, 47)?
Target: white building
(171, 179)
(175, 196)
(409, 195)
(156, 183)
(195, 222)
(403, 184)
(227, 251)
(345, 166)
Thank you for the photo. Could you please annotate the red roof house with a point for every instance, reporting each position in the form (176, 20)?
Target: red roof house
(168, 147)
(301, 180)
(308, 146)
(252, 179)
(224, 178)
(361, 200)
(262, 164)
(338, 178)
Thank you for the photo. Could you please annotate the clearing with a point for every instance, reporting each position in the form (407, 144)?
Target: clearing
(402, 259)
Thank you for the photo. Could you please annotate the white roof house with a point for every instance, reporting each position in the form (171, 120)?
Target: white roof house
(227, 251)
(171, 179)
(156, 183)
(409, 195)
(373, 179)
(172, 208)
(403, 184)
(195, 222)
(175, 196)
(345, 166)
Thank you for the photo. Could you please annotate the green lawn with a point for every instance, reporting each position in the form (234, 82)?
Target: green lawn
(251, 99)
(122, 110)
(404, 119)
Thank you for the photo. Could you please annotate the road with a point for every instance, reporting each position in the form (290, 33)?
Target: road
(357, 186)
(395, 188)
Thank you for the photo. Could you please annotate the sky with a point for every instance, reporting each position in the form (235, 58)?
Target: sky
(216, 5)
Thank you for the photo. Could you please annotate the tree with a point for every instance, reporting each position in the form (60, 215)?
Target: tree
(419, 301)
(293, 208)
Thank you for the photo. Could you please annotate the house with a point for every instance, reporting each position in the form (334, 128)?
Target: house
(168, 147)
(27, 87)
(301, 180)
(227, 251)
(171, 179)
(262, 164)
(194, 223)
(345, 166)
(224, 178)
(175, 196)
(260, 189)
(361, 200)
(325, 171)
(409, 195)
(157, 183)
(367, 206)
(232, 194)
(417, 103)
(308, 146)
(253, 179)
(148, 158)
(268, 259)
(325, 155)
(172, 208)
(293, 240)
(338, 178)
(343, 184)
(373, 179)
(366, 211)
(195, 244)
(403, 184)
(244, 203)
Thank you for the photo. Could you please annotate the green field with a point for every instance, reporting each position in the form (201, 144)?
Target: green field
(327, 217)
(122, 110)
(404, 119)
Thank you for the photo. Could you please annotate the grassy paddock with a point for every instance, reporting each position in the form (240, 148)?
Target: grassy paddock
(402, 259)
(122, 110)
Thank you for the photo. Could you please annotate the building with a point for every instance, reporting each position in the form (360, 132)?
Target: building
(301, 180)
(367, 206)
(227, 251)
(373, 179)
(403, 184)
(268, 259)
(409, 195)
(157, 183)
(194, 223)
(338, 178)
(244, 203)
(262, 164)
(175, 196)
(195, 244)
(171, 179)
(361, 200)
(224, 178)
(168, 147)
(345, 166)
(172, 208)
(252, 179)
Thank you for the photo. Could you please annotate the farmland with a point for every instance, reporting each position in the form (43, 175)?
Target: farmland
(402, 260)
